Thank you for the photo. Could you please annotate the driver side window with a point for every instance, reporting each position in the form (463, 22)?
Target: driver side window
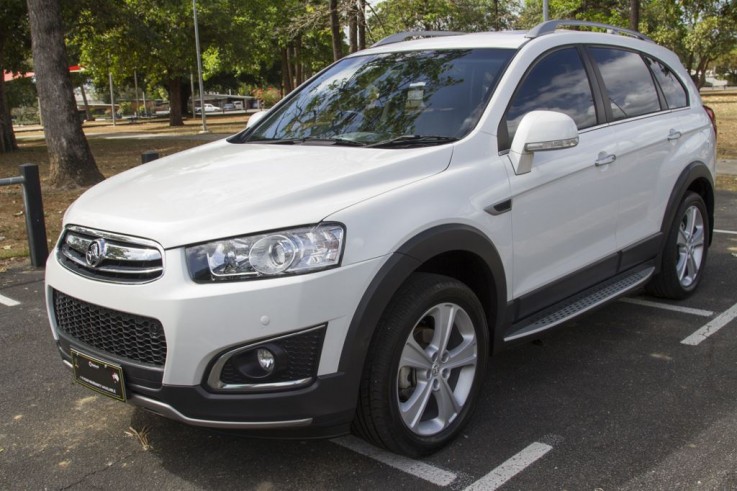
(557, 82)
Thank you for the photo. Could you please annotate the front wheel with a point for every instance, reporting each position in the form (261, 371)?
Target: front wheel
(685, 250)
(424, 368)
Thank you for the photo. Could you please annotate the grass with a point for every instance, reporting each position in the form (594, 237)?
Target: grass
(725, 108)
(141, 436)
(116, 155)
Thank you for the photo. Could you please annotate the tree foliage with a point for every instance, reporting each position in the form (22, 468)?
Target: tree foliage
(253, 41)
(613, 12)
(442, 15)
(699, 31)
(726, 66)
(15, 49)
(305, 39)
(156, 39)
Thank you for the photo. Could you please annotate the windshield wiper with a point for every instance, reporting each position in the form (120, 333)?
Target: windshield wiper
(275, 141)
(413, 140)
(333, 141)
(310, 139)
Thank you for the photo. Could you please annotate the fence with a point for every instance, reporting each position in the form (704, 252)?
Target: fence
(35, 224)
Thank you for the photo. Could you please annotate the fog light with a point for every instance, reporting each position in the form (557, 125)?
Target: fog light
(282, 363)
(265, 360)
(261, 363)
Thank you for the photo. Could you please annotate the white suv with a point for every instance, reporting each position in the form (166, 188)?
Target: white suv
(351, 260)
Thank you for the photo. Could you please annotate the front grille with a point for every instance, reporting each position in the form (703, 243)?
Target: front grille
(110, 257)
(303, 355)
(128, 336)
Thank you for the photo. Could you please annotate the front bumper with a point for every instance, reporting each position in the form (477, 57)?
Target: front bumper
(279, 414)
(201, 321)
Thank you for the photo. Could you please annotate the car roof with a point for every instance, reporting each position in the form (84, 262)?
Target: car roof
(496, 39)
(548, 32)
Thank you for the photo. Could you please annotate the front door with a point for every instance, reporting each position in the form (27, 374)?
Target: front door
(564, 212)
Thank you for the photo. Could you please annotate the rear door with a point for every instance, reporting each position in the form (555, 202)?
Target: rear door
(648, 126)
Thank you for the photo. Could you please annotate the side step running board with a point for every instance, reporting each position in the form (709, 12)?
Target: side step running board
(578, 304)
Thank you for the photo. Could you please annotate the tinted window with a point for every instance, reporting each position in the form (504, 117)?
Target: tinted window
(675, 94)
(628, 82)
(558, 82)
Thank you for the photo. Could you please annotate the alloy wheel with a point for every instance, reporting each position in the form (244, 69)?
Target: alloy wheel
(436, 370)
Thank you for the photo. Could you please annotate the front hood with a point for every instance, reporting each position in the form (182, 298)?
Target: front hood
(226, 189)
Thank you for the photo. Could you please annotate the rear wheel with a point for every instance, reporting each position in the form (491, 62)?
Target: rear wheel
(685, 251)
(424, 368)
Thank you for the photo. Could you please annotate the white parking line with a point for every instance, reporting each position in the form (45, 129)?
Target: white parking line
(717, 231)
(510, 468)
(429, 473)
(719, 322)
(665, 306)
(8, 301)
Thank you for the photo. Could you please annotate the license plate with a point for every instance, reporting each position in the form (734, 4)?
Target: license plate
(99, 375)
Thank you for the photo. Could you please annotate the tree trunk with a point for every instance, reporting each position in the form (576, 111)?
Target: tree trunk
(71, 162)
(353, 27)
(701, 72)
(298, 67)
(175, 102)
(285, 71)
(7, 135)
(290, 71)
(335, 31)
(635, 15)
(496, 15)
(87, 115)
(361, 24)
(290, 66)
(185, 91)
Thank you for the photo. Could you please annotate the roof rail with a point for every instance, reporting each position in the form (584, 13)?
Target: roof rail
(403, 36)
(551, 25)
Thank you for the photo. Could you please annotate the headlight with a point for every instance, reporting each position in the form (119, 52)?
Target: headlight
(279, 253)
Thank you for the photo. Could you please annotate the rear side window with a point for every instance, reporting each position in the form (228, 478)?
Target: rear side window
(628, 82)
(558, 82)
(675, 94)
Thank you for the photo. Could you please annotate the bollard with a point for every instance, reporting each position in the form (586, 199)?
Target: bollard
(35, 224)
(149, 156)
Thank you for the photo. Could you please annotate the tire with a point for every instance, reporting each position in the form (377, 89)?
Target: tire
(415, 394)
(684, 252)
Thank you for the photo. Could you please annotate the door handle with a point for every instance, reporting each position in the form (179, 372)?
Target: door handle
(674, 135)
(605, 159)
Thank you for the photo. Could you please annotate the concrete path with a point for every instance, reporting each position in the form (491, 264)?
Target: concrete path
(727, 167)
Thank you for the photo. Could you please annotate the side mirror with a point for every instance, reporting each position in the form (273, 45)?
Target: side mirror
(255, 118)
(541, 131)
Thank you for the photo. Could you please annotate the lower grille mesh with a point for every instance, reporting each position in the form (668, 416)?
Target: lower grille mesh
(129, 336)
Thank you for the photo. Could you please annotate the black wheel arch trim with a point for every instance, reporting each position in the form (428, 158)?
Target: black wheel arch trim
(689, 175)
(395, 271)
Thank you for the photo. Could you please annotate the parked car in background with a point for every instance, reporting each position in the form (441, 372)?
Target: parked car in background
(209, 108)
(228, 106)
(353, 257)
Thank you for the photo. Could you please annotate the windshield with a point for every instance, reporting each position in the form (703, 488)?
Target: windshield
(392, 99)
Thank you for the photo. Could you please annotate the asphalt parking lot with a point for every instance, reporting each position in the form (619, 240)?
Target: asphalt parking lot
(641, 394)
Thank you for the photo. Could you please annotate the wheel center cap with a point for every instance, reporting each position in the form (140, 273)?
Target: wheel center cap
(435, 369)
